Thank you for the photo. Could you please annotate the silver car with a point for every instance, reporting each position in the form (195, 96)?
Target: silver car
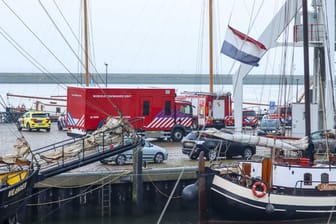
(150, 153)
(324, 140)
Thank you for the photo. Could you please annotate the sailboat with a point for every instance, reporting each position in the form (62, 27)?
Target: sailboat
(288, 185)
(18, 174)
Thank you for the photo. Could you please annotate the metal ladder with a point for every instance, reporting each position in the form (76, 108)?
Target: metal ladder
(106, 199)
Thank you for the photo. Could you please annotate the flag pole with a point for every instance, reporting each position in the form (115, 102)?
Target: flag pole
(210, 49)
(86, 45)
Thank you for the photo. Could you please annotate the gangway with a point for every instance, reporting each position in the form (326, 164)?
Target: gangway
(19, 172)
(49, 168)
(73, 153)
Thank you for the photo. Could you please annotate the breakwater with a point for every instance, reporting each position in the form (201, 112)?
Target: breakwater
(130, 78)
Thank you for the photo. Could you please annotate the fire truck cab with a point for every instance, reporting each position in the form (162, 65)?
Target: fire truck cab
(209, 109)
(250, 119)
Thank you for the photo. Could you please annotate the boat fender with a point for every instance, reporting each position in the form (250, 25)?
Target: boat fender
(269, 208)
(262, 193)
(190, 192)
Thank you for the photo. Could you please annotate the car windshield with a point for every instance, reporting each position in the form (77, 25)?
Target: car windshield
(267, 123)
(193, 135)
(148, 144)
(323, 134)
(40, 115)
(249, 113)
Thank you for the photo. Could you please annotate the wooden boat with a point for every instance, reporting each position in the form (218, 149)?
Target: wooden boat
(20, 171)
(272, 190)
(15, 192)
(17, 178)
(288, 185)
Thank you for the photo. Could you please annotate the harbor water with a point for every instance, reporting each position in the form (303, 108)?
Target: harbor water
(165, 213)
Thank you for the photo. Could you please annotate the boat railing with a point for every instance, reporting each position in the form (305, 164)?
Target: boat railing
(313, 184)
(75, 152)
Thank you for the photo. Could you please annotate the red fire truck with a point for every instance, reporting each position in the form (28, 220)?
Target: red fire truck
(284, 114)
(153, 112)
(209, 109)
(250, 119)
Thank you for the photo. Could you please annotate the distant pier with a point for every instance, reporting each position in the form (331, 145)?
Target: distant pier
(142, 78)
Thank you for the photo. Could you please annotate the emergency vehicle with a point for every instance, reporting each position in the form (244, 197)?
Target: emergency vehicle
(153, 112)
(209, 109)
(250, 119)
(284, 114)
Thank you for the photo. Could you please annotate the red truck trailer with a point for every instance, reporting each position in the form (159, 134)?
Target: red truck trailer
(209, 109)
(153, 112)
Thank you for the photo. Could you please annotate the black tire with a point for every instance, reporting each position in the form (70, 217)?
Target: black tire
(120, 160)
(28, 127)
(193, 156)
(248, 153)
(195, 124)
(103, 162)
(60, 128)
(158, 158)
(19, 127)
(211, 155)
(48, 129)
(177, 135)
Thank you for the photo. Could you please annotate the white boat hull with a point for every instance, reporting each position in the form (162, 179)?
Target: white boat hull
(233, 201)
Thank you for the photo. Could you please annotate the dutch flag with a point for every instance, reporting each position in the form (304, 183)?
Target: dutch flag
(242, 48)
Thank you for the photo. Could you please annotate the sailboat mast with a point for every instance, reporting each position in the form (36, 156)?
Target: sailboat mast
(86, 46)
(210, 49)
(306, 65)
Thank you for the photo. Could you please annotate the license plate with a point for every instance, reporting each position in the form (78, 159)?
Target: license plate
(189, 144)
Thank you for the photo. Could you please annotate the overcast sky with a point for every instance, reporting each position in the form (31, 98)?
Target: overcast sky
(131, 36)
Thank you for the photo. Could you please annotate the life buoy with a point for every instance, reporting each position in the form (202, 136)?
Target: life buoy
(262, 193)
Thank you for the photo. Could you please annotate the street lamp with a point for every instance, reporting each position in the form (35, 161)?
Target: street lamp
(106, 65)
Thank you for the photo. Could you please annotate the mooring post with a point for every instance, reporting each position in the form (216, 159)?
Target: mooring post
(137, 186)
(202, 200)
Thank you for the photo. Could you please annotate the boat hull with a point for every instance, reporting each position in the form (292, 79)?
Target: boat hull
(232, 201)
(14, 197)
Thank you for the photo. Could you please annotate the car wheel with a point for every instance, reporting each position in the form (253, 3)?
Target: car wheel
(247, 154)
(28, 127)
(103, 162)
(177, 135)
(48, 129)
(19, 126)
(120, 160)
(60, 128)
(158, 158)
(193, 156)
(212, 154)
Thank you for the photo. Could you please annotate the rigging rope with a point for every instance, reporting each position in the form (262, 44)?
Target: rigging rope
(29, 57)
(82, 193)
(171, 195)
(39, 39)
